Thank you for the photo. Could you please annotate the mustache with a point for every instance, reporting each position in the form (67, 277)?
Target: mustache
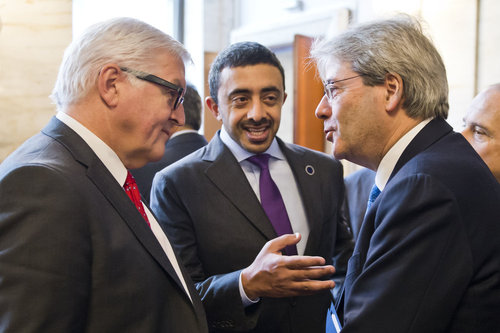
(262, 122)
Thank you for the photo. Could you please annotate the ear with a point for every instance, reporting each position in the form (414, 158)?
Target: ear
(107, 84)
(214, 108)
(394, 91)
(285, 95)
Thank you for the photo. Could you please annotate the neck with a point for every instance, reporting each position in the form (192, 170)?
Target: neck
(398, 132)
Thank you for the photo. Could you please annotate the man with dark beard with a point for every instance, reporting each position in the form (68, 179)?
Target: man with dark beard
(256, 269)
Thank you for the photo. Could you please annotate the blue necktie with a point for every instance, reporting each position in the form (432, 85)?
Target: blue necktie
(374, 193)
(332, 321)
(271, 200)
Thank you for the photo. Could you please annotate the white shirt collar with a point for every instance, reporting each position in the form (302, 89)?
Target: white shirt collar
(241, 154)
(107, 156)
(390, 159)
(186, 131)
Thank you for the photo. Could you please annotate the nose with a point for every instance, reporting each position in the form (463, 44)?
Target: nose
(178, 116)
(256, 112)
(323, 110)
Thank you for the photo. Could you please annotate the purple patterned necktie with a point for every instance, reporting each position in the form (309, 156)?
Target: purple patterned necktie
(271, 200)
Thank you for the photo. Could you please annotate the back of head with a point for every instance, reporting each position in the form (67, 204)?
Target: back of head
(396, 45)
(126, 42)
(240, 55)
(192, 107)
(491, 97)
(485, 109)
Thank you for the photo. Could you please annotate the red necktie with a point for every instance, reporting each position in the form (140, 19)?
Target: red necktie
(134, 195)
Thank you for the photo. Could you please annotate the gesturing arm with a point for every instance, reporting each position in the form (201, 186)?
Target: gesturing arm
(268, 273)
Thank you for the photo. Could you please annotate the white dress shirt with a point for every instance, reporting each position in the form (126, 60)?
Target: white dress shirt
(282, 175)
(115, 166)
(184, 131)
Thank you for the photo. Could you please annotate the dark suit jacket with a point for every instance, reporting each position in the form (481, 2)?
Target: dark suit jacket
(427, 257)
(357, 190)
(75, 254)
(175, 149)
(217, 224)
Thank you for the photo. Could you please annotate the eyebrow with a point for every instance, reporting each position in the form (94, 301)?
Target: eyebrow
(238, 91)
(472, 123)
(270, 89)
(475, 124)
(248, 91)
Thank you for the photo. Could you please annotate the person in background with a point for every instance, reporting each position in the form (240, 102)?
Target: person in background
(482, 127)
(256, 269)
(79, 252)
(357, 191)
(427, 256)
(182, 142)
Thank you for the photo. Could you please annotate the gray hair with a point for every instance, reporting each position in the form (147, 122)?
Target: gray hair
(192, 107)
(396, 45)
(126, 42)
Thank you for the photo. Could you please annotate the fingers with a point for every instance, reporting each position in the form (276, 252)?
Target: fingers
(309, 272)
(274, 275)
(279, 243)
(303, 288)
(300, 262)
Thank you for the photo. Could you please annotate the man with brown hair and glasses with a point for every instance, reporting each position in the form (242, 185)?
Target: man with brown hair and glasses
(427, 256)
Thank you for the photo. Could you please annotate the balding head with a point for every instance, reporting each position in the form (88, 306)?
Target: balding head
(482, 127)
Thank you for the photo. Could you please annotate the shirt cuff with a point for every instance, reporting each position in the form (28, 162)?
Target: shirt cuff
(244, 298)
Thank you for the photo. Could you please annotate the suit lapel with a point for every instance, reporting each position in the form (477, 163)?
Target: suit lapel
(119, 200)
(433, 131)
(109, 187)
(308, 190)
(226, 173)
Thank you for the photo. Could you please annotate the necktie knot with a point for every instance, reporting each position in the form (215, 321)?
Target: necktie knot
(260, 160)
(130, 181)
(374, 193)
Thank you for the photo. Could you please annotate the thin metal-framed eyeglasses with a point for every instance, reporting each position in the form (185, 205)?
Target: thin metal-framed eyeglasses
(158, 80)
(329, 87)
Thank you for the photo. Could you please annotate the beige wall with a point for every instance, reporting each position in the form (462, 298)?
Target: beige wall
(489, 44)
(35, 33)
(33, 37)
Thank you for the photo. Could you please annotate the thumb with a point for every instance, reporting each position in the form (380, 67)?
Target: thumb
(279, 243)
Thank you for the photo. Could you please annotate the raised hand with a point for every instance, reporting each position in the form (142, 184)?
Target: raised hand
(274, 275)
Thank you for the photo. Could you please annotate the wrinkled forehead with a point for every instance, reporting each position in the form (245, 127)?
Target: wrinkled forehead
(483, 113)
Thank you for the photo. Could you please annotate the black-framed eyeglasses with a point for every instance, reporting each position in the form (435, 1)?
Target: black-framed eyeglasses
(330, 88)
(158, 80)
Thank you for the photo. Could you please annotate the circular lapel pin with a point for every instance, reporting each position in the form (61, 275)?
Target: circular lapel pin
(310, 170)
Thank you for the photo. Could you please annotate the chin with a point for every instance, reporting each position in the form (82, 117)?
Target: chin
(257, 148)
(156, 154)
(338, 154)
